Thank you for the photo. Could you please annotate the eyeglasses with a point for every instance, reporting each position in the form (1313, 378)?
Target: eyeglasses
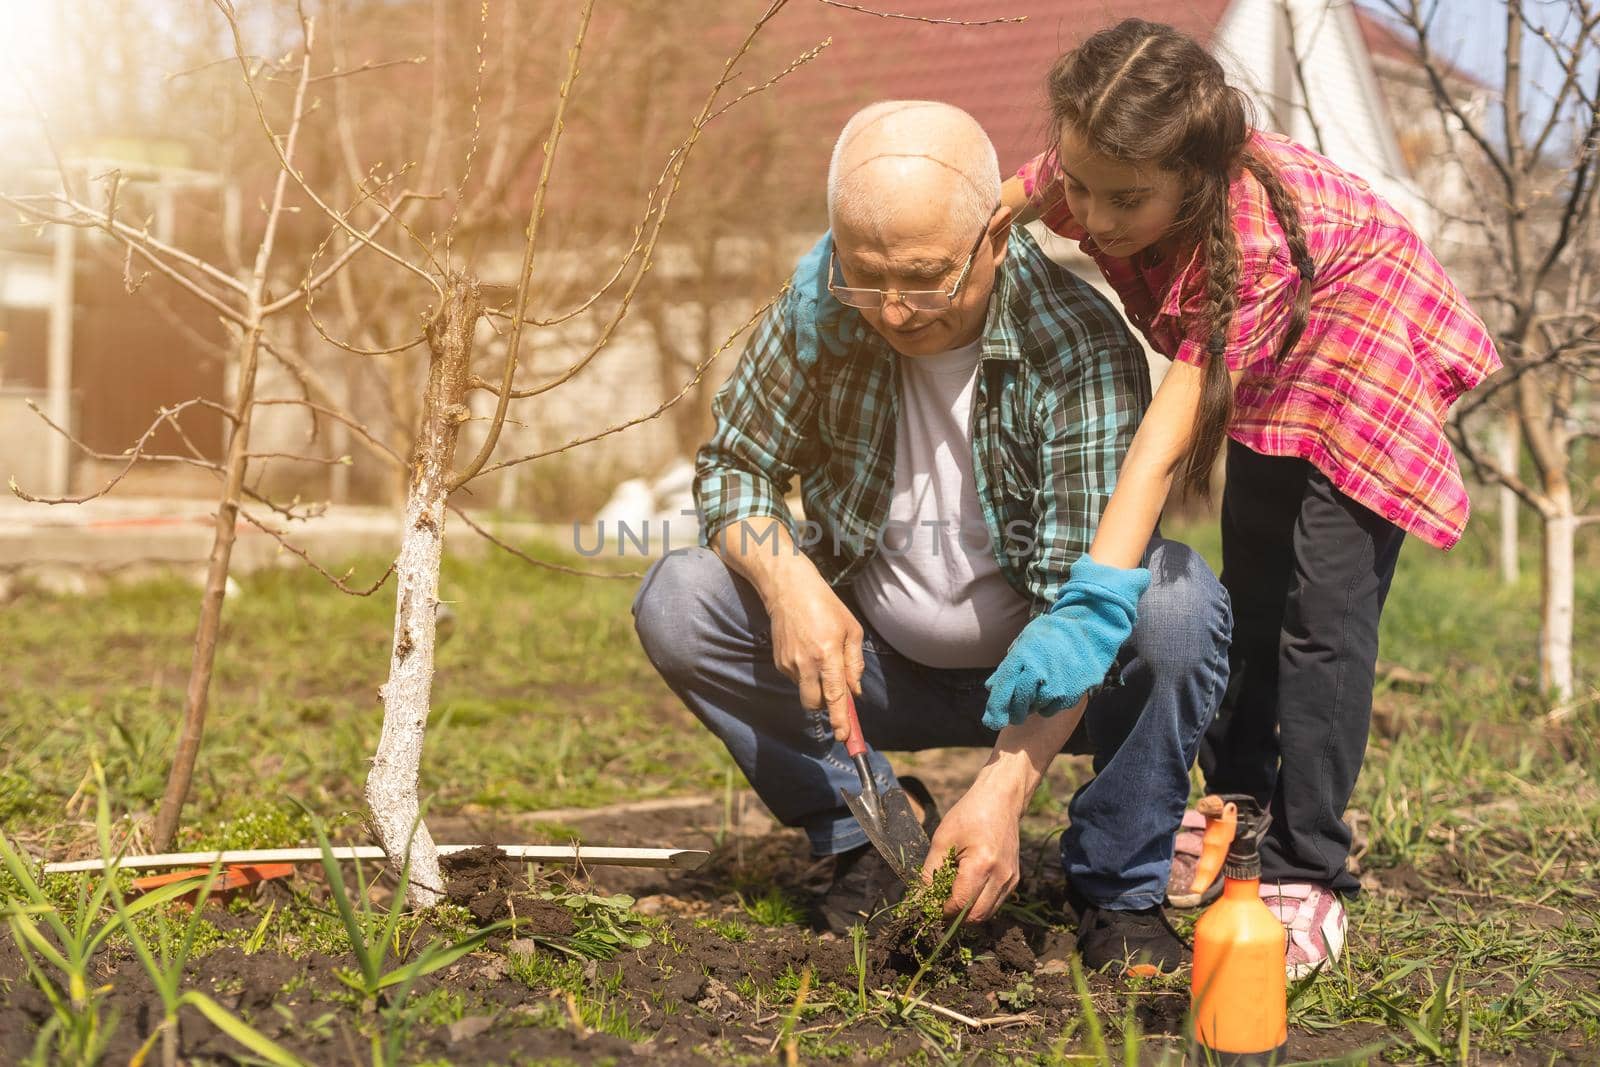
(915, 299)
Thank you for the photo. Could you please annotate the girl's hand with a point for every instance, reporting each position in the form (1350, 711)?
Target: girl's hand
(1013, 196)
(1067, 651)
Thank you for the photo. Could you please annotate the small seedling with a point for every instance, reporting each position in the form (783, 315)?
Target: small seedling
(858, 949)
(727, 929)
(258, 936)
(1021, 996)
(372, 937)
(77, 1031)
(791, 1054)
(772, 908)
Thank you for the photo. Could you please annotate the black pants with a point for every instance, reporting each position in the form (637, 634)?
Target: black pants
(1308, 570)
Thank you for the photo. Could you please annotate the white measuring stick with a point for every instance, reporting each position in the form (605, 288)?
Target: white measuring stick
(683, 859)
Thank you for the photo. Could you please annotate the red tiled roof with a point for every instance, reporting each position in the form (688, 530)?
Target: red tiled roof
(994, 72)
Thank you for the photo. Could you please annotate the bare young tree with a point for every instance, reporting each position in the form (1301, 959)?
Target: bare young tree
(246, 306)
(1534, 186)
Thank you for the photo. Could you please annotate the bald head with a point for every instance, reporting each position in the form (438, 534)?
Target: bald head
(912, 162)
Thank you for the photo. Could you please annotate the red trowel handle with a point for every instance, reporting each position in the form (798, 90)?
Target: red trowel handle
(855, 744)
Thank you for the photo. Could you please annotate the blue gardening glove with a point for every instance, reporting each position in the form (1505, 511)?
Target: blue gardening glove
(1062, 654)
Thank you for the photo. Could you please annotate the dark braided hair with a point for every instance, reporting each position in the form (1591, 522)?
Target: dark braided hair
(1146, 94)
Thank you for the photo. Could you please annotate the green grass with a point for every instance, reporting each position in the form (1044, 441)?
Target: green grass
(542, 699)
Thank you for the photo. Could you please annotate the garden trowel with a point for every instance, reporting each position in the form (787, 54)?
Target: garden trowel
(887, 816)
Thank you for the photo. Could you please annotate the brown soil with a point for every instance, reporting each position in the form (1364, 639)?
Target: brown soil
(692, 996)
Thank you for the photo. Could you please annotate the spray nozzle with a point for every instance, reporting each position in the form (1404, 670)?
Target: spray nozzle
(1235, 825)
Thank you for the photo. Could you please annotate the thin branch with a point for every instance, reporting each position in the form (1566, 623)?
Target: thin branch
(261, 64)
(390, 211)
(379, 446)
(667, 171)
(1298, 65)
(337, 582)
(1577, 198)
(1490, 473)
(309, 289)
(286, 510)
(546, 564)
(477, 119)
(329, 403)
(134, 455)
(1411, 16)
(284, 162)
(751, 90)
(1015, 19)
(503, 125)
(530, 246)
(1571, 67)
(166, 269)
(699, 372)
(369, 65)
(678, 158)
(107, 222)
(299, 457)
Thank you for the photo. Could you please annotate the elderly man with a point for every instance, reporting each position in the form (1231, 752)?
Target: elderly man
(956, 407)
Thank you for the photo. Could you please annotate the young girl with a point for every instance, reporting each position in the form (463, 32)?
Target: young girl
(1310, 327)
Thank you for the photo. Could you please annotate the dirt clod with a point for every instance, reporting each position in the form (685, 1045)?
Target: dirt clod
(1012, 951)
(484, 882)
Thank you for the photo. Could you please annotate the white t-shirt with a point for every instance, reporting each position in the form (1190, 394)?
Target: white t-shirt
(933, 588)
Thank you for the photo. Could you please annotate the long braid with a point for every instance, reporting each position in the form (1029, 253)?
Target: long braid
(1222, 300)
(1288, 212)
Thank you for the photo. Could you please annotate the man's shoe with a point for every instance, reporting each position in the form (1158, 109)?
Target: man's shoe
(1314, 918)
(1139, 943)
(863, 882)
(863, 885)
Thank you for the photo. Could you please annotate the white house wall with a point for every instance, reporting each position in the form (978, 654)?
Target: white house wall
(1349, 108)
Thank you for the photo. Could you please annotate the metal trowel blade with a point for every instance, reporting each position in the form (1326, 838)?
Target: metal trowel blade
(893, 829)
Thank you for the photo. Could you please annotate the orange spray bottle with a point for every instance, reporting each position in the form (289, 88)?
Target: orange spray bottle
(1239, 996)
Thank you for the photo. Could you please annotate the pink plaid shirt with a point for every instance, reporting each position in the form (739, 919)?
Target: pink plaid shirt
(1389, 347)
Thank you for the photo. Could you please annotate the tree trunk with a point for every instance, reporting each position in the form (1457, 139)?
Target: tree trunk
(1510, 456)
(392, 785)
(216, 588)
(1558, 600)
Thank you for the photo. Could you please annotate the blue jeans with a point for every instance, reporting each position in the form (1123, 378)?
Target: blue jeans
(708, 634)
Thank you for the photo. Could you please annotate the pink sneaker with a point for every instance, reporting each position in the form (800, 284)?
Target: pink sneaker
(1185, 858)
(1314, 918)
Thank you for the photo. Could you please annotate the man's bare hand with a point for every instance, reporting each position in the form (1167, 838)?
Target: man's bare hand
(816, 641)
(983, 829)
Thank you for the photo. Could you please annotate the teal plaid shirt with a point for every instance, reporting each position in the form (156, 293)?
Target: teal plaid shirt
(1060, 390)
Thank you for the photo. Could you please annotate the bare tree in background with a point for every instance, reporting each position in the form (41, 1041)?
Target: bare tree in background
(1534, 186)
